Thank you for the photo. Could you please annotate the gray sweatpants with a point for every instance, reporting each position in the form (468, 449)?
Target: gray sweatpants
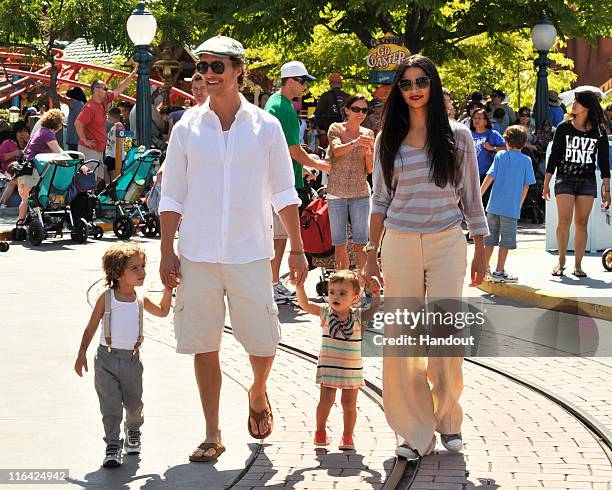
(118, 380)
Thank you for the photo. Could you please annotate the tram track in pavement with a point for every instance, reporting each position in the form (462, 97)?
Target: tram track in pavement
(404, 472)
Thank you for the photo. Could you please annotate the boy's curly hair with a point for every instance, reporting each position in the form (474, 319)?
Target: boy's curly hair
(346, 275)
(116, 258)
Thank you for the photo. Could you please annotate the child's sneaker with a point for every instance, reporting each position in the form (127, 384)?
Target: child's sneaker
(347, 443)
(132, 441)
(321, 439)
(113, 456)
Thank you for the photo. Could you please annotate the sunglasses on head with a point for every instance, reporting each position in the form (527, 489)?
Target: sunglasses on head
(420, 82)
(357, 110)
(300, 80)
(217, 67)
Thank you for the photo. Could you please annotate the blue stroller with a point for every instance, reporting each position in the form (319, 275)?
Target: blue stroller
(49, 210)
(120, 200)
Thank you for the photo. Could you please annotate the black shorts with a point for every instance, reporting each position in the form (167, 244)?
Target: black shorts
(575, 185)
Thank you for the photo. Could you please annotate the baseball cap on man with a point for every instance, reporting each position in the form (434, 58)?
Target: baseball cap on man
(221, 46)
(295, 69)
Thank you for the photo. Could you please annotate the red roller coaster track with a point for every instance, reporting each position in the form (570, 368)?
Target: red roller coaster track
(32, 69)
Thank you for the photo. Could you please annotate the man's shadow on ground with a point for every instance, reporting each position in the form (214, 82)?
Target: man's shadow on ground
(188, 475)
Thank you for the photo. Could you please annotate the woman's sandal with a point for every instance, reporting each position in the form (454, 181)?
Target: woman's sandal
(579, 273)
(260, 417)
(217, 446)
(558, 271)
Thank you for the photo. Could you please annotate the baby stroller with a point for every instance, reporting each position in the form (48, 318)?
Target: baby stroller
(120, 200)
(49, 210)
(316, 236)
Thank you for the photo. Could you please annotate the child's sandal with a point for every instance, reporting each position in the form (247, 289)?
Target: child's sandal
(321, 439)
(347, 443)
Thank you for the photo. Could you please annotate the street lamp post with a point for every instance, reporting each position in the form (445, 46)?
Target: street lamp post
(141, 27)
(543, 36)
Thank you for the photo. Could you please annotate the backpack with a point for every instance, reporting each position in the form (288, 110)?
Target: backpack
(316, 230)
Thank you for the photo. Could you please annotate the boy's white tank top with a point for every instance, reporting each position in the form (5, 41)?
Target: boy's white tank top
(124, 324)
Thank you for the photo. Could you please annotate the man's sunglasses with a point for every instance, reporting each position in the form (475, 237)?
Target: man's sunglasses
(420, 82)
(102, 87)
(217, 67)
(300, 80)
(357, 110)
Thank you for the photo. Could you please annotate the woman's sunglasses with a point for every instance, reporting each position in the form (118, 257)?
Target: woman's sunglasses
(217, 67)
(525, 114)
(357, 110)
(420, 82)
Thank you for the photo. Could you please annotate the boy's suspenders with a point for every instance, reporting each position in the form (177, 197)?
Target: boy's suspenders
(106, 321)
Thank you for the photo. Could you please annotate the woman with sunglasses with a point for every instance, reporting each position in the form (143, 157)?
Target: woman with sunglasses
(577, 146)
(351, 149)
(425, 181)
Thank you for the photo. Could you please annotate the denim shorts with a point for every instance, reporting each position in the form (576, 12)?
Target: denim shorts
(502, 231)
(575, 185)
(359, 211)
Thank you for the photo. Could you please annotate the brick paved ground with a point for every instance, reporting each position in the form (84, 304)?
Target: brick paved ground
(514, 438)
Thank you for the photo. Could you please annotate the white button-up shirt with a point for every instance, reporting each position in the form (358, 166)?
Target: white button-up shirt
(225, 193)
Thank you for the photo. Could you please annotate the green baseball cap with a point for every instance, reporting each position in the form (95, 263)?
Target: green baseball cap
(221, 46)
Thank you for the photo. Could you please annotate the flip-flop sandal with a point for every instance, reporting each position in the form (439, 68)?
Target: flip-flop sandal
(558, 271)
(579, 273)
(259, 417)
(217, 446)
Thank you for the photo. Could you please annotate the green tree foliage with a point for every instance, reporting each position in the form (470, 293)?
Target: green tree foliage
(433, 27)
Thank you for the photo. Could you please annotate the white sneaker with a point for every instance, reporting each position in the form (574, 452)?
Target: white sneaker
(2, 206)
(132, 442)
(452, 442)
(509, 277)
(112, 458)
(280, 298)
(282, 289)
(498, 277)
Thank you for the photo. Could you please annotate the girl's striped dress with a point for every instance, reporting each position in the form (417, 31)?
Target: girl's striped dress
(340, 364)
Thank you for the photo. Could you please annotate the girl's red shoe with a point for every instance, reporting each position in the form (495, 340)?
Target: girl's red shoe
(347, 443)
(321, 439)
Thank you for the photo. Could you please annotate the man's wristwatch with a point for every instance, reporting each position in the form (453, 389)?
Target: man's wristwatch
(370, 247)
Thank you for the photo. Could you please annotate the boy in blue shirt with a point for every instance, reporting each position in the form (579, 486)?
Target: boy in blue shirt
(511, 175)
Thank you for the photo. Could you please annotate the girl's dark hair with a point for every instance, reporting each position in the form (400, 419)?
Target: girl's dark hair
(440, 144)
(589, 99)
(486, 116)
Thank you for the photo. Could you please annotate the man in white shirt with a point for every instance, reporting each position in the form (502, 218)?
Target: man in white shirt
(226, 168)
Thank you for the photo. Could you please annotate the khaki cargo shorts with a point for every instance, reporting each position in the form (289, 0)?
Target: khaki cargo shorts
(278, 228)
(199, 313)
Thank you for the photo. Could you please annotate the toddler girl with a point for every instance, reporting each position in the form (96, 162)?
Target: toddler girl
(340, 365)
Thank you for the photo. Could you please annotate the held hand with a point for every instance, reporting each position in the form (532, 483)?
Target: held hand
(374, 287)
(546, 193)
(372, 275)
(605, 200)
(488, 147)
(170, 269)
(81, 363)
(298, 269)
(479, 269)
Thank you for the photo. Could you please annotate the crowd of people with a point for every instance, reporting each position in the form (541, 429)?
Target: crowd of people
(415, 176)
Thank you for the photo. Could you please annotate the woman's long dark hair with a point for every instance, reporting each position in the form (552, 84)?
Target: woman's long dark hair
(589, 100)
(396, 124)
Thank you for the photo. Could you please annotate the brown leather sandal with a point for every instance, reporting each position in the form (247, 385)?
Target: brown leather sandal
(217, 446)
(259, 417)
